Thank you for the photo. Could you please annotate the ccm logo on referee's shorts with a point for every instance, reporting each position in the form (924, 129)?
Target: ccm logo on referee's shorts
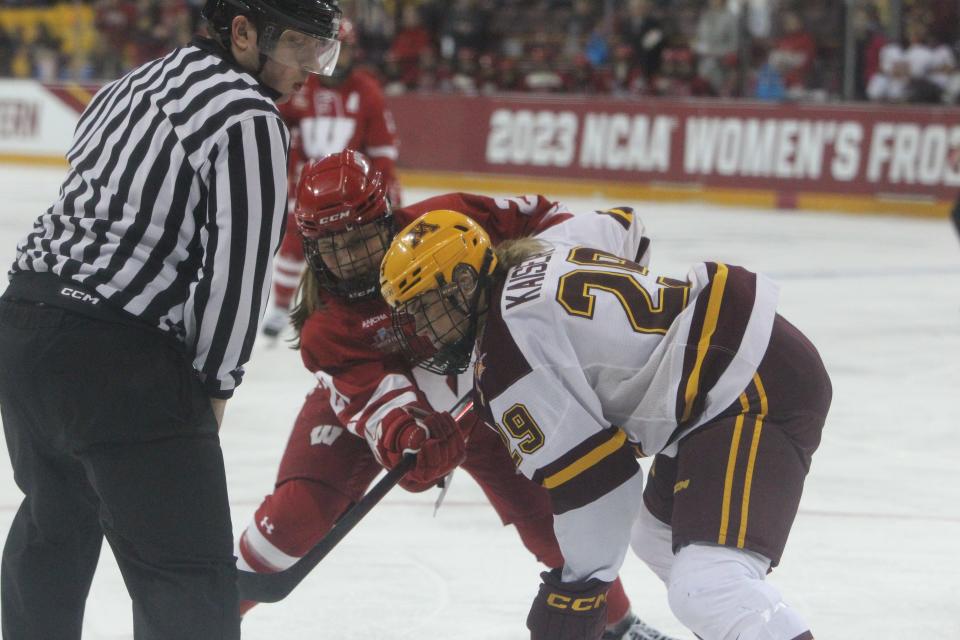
(79, 295)
(558, 601)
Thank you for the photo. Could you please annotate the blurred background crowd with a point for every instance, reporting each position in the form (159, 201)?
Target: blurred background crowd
(810, 50)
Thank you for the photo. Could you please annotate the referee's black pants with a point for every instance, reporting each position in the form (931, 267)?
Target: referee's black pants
(110, 434)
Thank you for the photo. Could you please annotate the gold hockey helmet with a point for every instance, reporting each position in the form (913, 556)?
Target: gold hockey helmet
(425, 254)
(432, 276)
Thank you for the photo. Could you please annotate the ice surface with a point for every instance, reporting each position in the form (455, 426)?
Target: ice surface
(873, 553)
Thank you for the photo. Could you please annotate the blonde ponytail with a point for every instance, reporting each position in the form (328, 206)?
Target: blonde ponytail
(510, 253)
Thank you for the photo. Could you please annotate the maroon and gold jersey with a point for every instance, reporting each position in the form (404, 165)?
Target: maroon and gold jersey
(587, 356)
(350, 346)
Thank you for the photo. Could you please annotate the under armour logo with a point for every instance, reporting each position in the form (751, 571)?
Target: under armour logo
(267, 525)
(416, 234)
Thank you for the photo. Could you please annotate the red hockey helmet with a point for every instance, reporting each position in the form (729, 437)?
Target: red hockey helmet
(338, 192)
(343, 215)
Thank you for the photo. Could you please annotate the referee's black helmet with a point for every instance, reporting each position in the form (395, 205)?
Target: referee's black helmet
(275, 20)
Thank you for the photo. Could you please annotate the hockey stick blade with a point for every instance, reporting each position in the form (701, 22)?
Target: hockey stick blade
(273, 587)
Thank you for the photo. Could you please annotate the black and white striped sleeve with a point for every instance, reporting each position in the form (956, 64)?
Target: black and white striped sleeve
(246, 202)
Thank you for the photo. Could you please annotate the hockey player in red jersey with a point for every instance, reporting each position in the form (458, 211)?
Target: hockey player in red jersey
(585, 359)
(344, 111)
(367, 408)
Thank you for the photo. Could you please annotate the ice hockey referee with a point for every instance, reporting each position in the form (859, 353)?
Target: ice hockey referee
(132, 306)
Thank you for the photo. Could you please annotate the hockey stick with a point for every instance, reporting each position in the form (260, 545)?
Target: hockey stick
(273, 587)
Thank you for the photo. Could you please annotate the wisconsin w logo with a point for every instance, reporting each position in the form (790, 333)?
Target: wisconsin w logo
(325, 434)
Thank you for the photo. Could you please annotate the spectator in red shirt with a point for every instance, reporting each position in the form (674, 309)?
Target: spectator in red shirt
(411, 41)
(678, 77)
(510, 77)
(582, 77)
(793, 54)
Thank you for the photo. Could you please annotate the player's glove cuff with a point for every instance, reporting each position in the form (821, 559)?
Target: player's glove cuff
(433, 436)
(568, 610)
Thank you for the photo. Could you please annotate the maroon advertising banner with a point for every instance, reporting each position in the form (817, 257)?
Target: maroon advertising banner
(845, 149)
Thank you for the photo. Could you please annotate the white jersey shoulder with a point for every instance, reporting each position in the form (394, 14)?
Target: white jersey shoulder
(618, 231)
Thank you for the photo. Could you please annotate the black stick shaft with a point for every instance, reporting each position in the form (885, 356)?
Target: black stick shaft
(273, 587)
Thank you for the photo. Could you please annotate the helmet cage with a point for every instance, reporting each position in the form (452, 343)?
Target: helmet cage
(364, 263)
(431, 346)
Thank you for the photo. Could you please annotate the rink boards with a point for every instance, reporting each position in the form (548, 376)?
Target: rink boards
(843, 157)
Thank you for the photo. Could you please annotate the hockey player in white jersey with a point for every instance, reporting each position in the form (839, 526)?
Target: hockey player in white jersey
(585, 360)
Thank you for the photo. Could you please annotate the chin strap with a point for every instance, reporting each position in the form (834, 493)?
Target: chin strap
(483, 284)
(263, 63)
(470, 337)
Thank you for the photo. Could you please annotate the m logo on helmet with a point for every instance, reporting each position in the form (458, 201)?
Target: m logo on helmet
(417, 234)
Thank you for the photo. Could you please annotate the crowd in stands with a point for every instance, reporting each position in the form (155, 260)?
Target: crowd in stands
(766, 49)
(89, 41)
(919, 69)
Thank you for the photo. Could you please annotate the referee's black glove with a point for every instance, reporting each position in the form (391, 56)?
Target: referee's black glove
(568, 610)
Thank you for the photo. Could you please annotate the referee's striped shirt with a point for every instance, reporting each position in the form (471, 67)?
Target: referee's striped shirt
(173, 206)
